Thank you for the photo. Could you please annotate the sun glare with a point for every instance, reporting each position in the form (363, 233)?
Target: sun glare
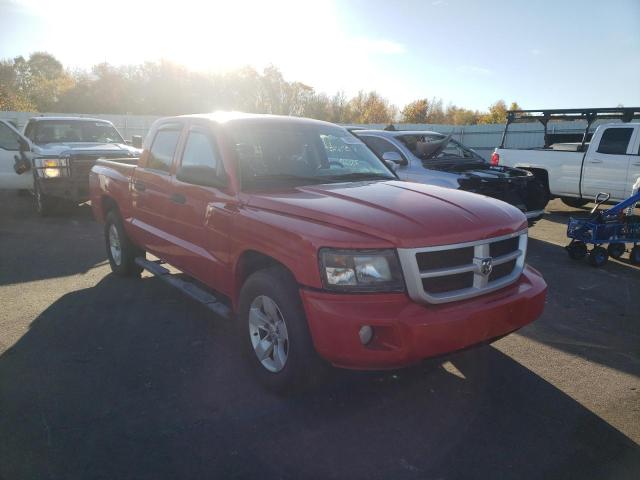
(300, 38)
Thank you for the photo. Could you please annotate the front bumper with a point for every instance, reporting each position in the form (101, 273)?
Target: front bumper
(407, 332)
(70, 188)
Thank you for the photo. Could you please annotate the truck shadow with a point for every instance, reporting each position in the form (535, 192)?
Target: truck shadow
(590, 312)
(35, 248)
(128, 379)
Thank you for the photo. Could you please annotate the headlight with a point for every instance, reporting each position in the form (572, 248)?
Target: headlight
(361, 270)
(52, 167)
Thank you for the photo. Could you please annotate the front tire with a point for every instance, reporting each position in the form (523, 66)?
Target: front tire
(577, 250)
(598, 256)
(121, 252)
(45, 205)
(274, 333)
(634, 256)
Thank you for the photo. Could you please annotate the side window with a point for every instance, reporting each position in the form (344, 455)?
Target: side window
(380, 146)
(162, 150)
(615, 141)
(199, 151)
(8, 138)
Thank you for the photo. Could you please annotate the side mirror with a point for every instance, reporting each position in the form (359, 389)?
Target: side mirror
(136, 141)
(394, 157)
(200, 175)
(391, 165)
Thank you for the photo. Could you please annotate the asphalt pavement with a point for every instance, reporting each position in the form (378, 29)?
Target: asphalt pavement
(110, 378)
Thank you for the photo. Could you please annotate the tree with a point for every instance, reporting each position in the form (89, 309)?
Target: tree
(415, 112)
(461, 116)
(497, 113)
(370, 107)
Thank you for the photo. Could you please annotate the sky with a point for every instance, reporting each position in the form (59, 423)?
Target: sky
(542, 54)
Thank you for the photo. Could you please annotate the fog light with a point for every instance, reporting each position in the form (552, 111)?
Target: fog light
(366, 334)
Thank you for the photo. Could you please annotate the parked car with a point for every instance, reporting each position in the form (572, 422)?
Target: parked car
(298, 230)
(437, 159)
(54, 155)
(576, 167)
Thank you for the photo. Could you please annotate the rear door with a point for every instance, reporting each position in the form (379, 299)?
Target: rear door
(200, 214)
(607, 163)
(151, 191)
(9, 151)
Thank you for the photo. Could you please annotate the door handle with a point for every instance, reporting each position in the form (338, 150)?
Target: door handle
(637, 164)
(178, 198)
(595, 161)
(138, 185)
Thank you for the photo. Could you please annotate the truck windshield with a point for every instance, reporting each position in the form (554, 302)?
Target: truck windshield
(66, 131)
(437, 147)
(303, 154)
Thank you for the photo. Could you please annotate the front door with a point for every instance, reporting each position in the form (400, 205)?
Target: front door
(10, 150)
(606, 169)
(201, 212)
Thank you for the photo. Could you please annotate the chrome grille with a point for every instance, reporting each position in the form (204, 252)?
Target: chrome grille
(447, 273)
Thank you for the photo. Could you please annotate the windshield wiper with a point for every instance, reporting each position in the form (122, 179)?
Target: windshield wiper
(283, 177)
(359, 176)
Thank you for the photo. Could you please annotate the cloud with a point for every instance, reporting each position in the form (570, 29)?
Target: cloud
(535, 52)
(474, 70)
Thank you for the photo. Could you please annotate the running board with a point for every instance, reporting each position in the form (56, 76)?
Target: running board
(190, 289)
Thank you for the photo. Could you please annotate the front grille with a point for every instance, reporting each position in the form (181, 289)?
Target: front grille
(455, 272)
(497, 249)
(452, 258)
(447, 283)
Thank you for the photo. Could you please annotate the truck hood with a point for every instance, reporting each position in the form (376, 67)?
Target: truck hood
(481, 170)
(110, 149)
(403, 213)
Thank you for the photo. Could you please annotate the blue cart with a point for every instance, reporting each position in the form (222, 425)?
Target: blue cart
(613, 227)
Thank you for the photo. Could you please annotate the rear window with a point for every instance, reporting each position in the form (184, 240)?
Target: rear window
(162, 150)
(615, 141)
(436, 147)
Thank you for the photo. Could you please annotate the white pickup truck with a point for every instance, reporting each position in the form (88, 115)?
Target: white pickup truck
(576, 171)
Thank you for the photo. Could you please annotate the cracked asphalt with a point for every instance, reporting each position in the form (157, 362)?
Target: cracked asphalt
(103, 378)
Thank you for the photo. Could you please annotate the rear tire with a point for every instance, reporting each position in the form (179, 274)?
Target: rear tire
(274, 333)
(45, 205)
(121, 252)
(616, 250)
(574, 202)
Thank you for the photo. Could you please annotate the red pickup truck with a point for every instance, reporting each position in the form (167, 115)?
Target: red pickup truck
(318, 250)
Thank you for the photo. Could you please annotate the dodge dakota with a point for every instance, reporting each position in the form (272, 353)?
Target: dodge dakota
(577, 166)
(320, 252)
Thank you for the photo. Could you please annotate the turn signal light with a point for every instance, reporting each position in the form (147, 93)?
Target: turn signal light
(495, 158)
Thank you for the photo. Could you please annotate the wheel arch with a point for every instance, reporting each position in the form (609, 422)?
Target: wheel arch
(249, 262)
(541, 174)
